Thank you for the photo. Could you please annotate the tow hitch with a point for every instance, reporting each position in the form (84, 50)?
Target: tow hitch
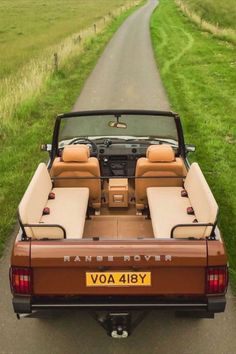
(119, 324)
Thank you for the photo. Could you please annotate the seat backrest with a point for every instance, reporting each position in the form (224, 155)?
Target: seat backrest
(32, 205)
(76, 162)
(201, 197)
(160, 161)
(36, 196)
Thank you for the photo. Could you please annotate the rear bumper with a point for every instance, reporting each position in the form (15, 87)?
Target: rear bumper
(213, 304)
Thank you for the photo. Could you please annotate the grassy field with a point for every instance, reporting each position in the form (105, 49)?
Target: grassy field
(211, 16)
(31, 33)
(218, 12)
(33, 122)
(199, 73)
(28, 27)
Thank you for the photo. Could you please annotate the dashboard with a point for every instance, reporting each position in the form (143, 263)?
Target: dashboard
(120, 159)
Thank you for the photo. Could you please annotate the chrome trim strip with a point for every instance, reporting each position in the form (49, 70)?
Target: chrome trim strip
(92, 305)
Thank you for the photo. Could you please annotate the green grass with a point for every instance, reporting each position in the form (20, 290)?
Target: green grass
(218, 12)
(28, 27)
(33, 124)
(199, 74)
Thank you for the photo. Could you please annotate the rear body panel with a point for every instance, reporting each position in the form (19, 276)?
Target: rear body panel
(177, 267)
(71, 281)
(61, 269)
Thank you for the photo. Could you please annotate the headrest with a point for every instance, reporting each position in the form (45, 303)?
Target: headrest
(75, 153)
(160, 153)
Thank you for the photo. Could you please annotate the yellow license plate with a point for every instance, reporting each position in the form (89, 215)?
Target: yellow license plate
(118, 278)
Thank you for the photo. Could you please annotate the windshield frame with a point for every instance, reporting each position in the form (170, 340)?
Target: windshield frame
(117, 113)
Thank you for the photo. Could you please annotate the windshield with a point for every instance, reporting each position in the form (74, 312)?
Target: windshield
(125, 126)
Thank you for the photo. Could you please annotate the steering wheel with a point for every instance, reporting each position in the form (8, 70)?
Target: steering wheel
(92, 145)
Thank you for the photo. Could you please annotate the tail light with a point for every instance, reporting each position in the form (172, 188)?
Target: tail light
(21, 280)
(216, 280)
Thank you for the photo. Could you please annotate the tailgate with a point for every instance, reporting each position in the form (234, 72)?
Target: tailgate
(170, 267)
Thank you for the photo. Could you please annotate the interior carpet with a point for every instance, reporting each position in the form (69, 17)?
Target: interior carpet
(118, 227)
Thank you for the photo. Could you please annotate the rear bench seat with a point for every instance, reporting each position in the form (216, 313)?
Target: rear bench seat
(169, 209)
(67, 210)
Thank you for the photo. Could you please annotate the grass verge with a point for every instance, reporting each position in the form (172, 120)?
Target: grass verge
(199, 75)
(33, 124)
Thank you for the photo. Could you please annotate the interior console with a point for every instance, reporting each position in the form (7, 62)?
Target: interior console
(118, 192)
(119, 160)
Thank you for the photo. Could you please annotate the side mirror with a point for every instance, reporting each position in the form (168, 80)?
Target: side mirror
(46, 147)
(190, 148)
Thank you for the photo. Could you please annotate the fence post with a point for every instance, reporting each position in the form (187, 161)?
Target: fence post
(95, 27)
(79, 39)
(55, 61)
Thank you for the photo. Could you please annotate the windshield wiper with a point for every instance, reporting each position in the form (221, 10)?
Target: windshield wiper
(144, 140)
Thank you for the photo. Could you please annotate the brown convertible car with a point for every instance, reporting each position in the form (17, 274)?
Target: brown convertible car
(118, 222)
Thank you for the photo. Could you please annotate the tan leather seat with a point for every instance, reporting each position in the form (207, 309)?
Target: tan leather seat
(169, 209)
(66, 211)
(160, 160)
(76, 162)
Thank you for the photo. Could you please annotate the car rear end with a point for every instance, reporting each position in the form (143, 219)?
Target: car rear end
(184, 275)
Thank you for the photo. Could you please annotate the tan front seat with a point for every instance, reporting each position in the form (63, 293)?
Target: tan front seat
(76, 162)
(160, 160)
